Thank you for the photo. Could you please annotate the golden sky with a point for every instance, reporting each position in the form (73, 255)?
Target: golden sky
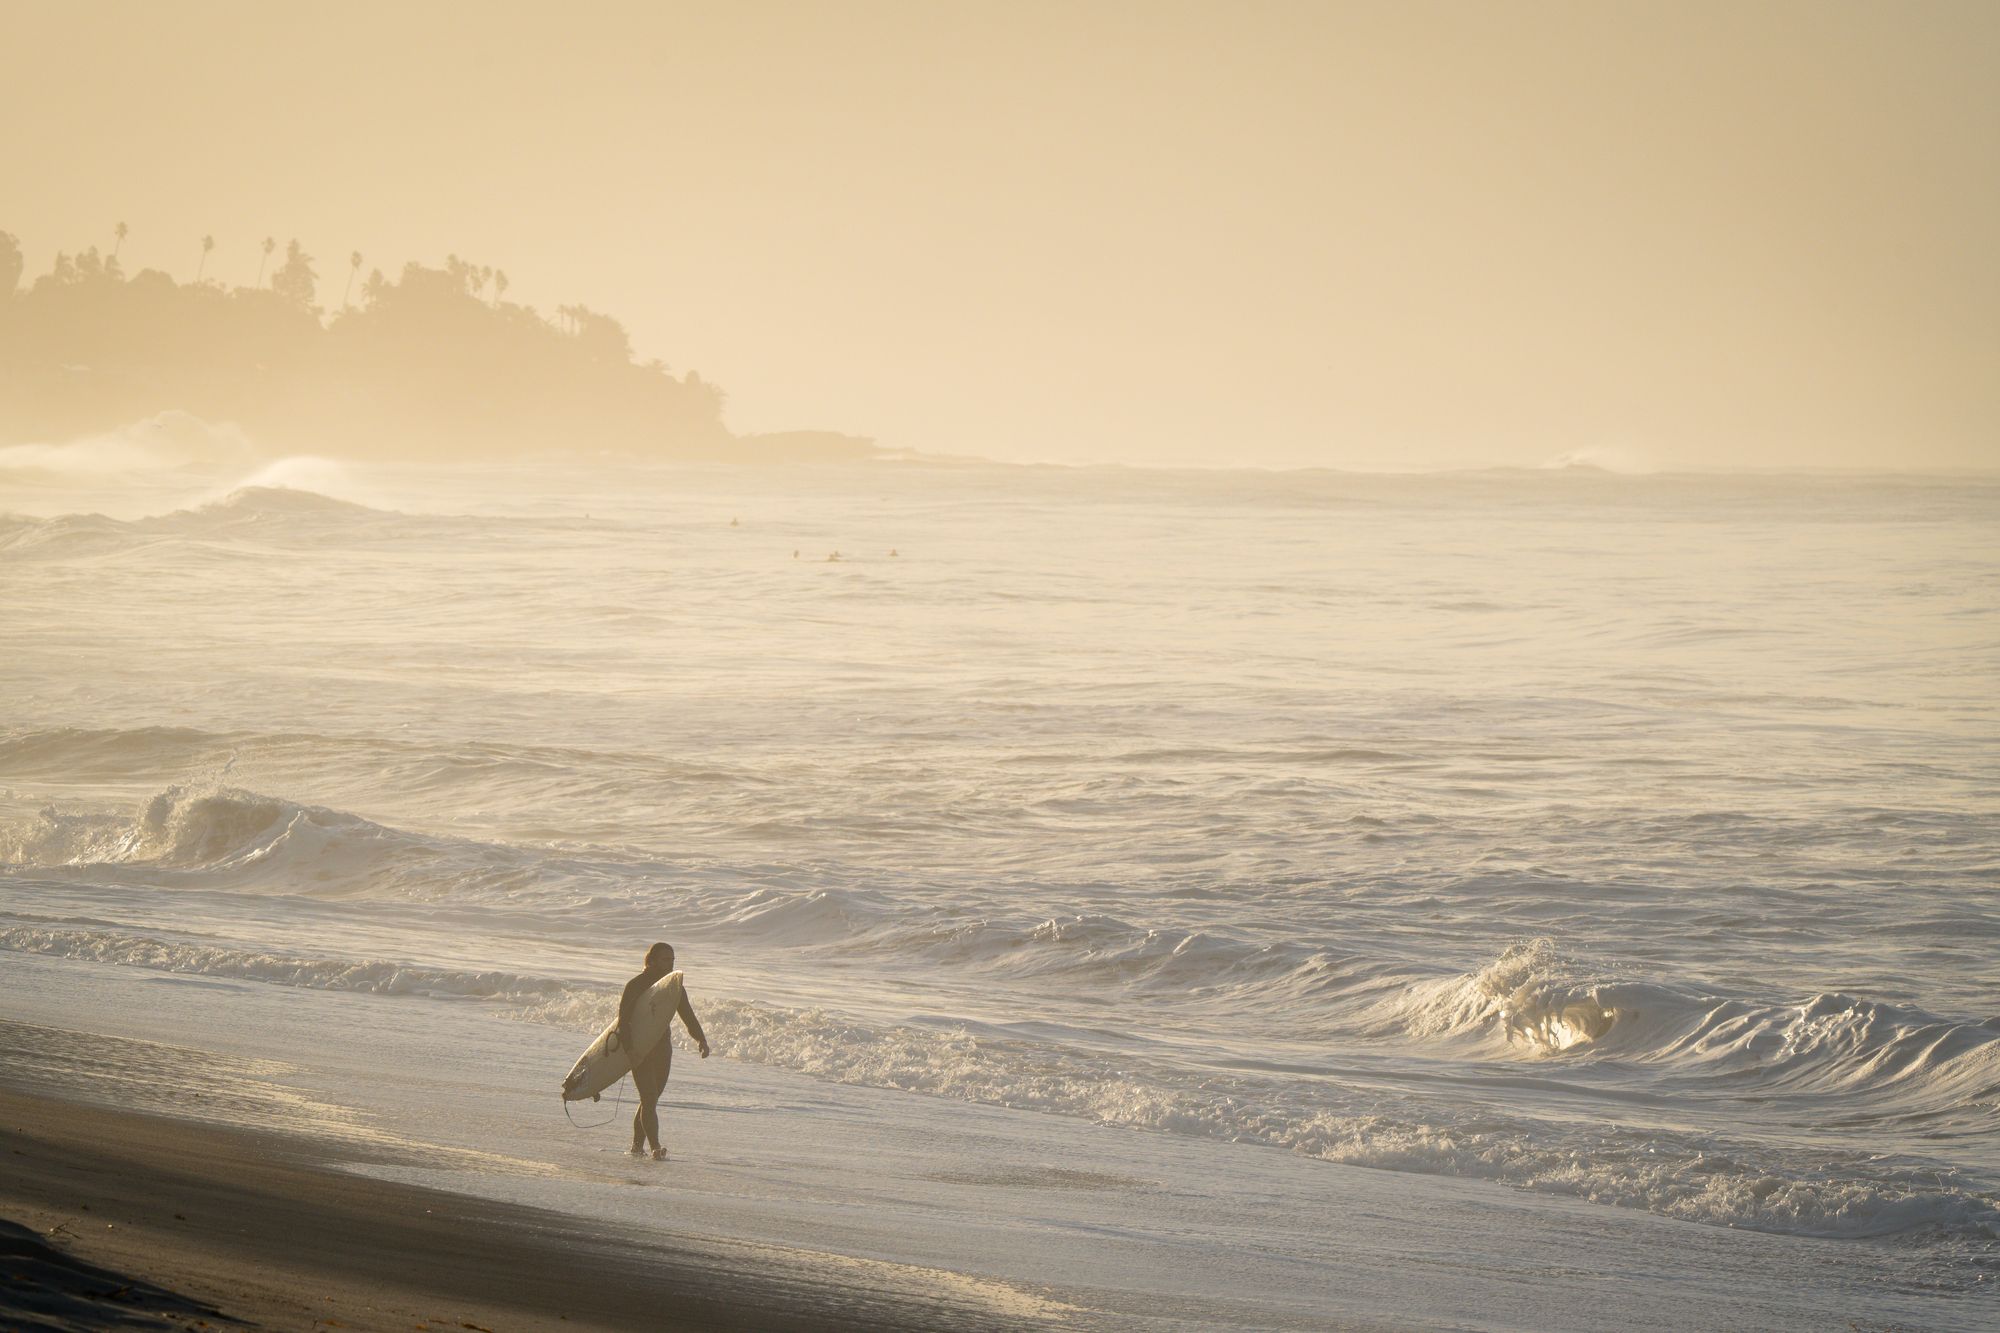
(1408, 234)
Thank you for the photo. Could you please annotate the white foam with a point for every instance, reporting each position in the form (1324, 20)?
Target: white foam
(1824, 1193)
(168, 441)
(1532, 1002)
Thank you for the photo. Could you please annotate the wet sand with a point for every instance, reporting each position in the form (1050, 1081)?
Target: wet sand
(122, 1219)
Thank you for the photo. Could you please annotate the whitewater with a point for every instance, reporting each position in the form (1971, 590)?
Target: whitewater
(1625, 840)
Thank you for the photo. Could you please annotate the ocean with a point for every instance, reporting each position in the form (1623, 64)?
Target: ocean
(1629, 839)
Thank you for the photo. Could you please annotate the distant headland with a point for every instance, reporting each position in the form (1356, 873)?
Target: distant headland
(436, 363)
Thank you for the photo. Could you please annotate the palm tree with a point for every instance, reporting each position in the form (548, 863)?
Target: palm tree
(119, 232)
(499, 284)
(353, 267)
(207, 244)
(270, 244)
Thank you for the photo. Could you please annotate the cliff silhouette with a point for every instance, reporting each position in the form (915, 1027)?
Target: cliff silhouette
(435, 363)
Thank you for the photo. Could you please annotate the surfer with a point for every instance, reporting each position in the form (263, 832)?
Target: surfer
(650, 1068)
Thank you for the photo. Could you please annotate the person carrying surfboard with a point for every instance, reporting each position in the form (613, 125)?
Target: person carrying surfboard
(651, 1067)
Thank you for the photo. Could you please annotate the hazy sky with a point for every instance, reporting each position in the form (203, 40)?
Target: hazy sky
(1397, 233)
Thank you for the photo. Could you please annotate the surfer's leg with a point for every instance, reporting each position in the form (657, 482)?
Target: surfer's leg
(666, 1068)
(649, 1078)
(651, 1112)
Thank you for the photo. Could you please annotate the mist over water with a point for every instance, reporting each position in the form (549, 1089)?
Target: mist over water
(1628, 837)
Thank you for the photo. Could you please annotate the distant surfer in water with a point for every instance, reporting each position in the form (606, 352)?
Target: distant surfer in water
(650, 1068)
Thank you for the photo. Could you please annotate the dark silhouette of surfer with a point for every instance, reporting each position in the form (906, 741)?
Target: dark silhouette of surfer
(650, 1068)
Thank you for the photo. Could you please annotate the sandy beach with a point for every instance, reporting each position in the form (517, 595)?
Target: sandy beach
(329, 1157)
(132, 1220)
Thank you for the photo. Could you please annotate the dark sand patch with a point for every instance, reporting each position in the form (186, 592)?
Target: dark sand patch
(258, 1227)
(45, 1288)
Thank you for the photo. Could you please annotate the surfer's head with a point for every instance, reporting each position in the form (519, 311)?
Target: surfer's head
(660, 958)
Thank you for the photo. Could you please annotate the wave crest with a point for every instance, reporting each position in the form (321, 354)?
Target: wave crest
(1529, 997)
(268, 513)
(217, 836)
(1886, 1062)
(1826, 1193)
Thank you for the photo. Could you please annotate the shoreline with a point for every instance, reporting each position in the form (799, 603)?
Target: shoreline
(151, 1221)
(789, 1202)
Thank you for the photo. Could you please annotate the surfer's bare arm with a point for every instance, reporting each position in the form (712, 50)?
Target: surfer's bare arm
(686, 1011)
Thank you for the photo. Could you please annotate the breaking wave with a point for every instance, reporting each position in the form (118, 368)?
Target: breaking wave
(282, 515)
(1560, 1047)
(1888, 1063)
(170, 440)
(218, 836)
(1829, 1192)
(1878, 1063)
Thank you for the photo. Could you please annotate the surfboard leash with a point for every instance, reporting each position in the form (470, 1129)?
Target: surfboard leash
(617, 1109)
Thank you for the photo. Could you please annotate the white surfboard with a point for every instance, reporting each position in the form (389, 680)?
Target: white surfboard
(608, 1060)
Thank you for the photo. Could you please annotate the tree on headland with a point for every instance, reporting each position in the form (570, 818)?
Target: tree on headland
(10, 264)
(436, 359)
(295, 279)
(600, 336)
(434, 362)
(119, 231)
(86, 266)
